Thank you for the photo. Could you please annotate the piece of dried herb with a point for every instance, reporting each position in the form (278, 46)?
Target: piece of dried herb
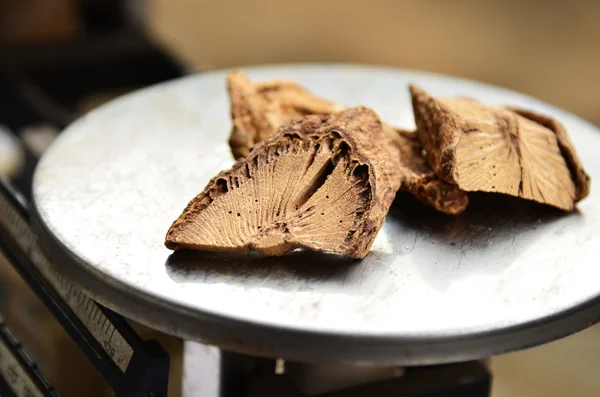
(323, 182)
(502, 150)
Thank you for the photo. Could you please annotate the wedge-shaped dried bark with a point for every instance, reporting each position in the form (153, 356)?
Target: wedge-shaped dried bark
(321, 182)
(481, 148)
(258, 109)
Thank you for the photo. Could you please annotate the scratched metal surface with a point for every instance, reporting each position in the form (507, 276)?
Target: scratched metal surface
(505, 275)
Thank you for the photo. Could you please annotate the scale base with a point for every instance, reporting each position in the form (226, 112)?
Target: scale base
(226, 374)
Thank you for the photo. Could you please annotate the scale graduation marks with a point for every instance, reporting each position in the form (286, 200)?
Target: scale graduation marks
(130, 366)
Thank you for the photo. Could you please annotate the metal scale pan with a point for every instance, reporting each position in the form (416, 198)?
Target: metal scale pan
(506, 275)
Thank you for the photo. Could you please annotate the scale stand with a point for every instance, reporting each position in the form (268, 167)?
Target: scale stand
(136, 368)
(469, 379)
(131, 367)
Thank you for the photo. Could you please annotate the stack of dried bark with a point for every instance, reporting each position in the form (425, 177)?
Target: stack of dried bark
(313, 174)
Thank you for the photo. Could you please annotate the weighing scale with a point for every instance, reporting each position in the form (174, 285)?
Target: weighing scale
(436, 290)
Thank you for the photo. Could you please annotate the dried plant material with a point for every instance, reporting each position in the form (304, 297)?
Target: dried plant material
(480, 148)
(258, 109)
(321, 182)
(421, 181)
(580, 177)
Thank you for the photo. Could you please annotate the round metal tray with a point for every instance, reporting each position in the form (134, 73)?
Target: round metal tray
(505, 275)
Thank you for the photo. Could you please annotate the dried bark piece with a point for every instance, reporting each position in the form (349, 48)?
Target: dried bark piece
(321, 182)
(581, 179)
(421, 181)
(258, 109)
(481, 148)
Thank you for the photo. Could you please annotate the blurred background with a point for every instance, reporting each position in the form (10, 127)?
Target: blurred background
(61, 58)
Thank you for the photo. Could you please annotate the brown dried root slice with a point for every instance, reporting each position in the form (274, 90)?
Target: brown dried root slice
(322, 182)
(258, 109)
(481, 148)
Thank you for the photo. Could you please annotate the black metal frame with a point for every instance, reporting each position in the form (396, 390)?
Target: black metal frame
(25, 363)
(148, 370)
(42, 84)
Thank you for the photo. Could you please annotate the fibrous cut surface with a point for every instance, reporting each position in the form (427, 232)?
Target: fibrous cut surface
(258, 109)
(321, 182)
(481, 148)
